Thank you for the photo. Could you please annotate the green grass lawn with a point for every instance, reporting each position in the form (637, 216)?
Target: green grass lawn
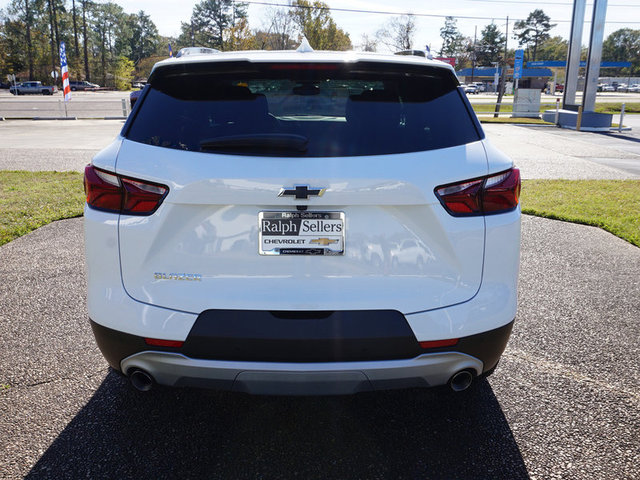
(613, 205)
(520, 120)
(507, 107)
(29, 200)
(630, 107)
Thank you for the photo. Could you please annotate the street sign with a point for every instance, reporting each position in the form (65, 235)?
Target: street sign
(54, 74)
(517, 65)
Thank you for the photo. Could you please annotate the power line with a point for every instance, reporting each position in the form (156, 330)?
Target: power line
(382, 12)
(548, 3)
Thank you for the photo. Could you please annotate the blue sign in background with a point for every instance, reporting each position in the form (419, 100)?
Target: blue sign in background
(562, 63)
(517, 65)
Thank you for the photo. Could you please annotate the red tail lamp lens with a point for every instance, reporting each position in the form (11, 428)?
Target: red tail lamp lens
(113, 193)
(141, 197)
(102, 189)
(439, 343)
(502, 192)
(482, 196)
(462, 198)
(157, 342)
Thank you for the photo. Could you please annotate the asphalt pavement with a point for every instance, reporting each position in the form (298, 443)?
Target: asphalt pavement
(563, 403)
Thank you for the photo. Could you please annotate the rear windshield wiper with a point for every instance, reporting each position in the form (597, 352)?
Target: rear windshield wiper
(259, 142)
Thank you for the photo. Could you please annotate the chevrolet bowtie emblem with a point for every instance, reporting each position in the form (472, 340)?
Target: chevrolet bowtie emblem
(324, 241)
(301, 192)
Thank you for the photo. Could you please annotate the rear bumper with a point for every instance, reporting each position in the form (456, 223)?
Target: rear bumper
(478, 353)
(301, 378)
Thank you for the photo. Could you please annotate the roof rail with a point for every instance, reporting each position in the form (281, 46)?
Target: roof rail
(188, 51)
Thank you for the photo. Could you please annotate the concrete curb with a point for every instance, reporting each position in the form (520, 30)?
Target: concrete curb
(55, 118)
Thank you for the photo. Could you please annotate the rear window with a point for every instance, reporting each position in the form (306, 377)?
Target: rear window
(313, 110)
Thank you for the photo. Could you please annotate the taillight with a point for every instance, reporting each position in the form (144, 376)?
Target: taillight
(496, 193)
(114, 193)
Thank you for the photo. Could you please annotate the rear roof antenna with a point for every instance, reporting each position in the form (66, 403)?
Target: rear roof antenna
(304, 46)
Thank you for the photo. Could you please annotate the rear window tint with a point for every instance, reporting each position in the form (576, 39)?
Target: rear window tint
(314, 110)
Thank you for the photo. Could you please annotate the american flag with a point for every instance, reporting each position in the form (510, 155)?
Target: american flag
(65, 72)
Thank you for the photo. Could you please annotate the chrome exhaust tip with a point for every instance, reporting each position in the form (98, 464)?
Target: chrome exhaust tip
(461, 381)
(141, 380)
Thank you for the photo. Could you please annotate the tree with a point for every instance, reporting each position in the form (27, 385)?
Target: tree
(531, 32)
(19, 21)
(623, 45)
(123, 73)
(314, 21)
(209, 20)
(553, 48)
(452, 40)
(491, 45)
(397, 33)
(239, 37)
(368, 44)
(110, 36)
(144, 37)
(278, 31)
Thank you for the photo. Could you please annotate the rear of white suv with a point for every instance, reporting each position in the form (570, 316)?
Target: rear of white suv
(302, 223)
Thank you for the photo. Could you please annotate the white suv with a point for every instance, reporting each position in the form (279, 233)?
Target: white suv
(229, 228)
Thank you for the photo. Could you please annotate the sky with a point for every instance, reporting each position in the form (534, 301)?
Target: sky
(167, 15)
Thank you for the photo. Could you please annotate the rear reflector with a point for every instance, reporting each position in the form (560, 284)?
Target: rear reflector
(497, 193)
(113, 193)
(439, 343)
(156, 342)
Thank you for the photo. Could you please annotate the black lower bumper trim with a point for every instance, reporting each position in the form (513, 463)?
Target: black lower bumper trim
(116, 346)
(487, 346)
(318, 337)
(292, 336)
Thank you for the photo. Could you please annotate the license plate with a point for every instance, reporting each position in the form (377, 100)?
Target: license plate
(301, 233)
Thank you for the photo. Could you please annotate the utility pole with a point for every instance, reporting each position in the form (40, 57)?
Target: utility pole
(75, 28)
(473, 54)
(87, 72)
(503, 76)
(53, 42)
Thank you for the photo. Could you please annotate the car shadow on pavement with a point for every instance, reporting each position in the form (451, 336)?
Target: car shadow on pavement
(188, 433)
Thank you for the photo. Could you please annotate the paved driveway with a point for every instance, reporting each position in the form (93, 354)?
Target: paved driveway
(564, 403)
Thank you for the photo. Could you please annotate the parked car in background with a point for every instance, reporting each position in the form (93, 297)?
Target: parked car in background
(226, 228)
(622, 87)
(607, 88)
(32, 88)
(559, 88)
(83, 86)
(470, 88)
(480, 86)
(635, 88)
(138, 84)
(133, 97)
